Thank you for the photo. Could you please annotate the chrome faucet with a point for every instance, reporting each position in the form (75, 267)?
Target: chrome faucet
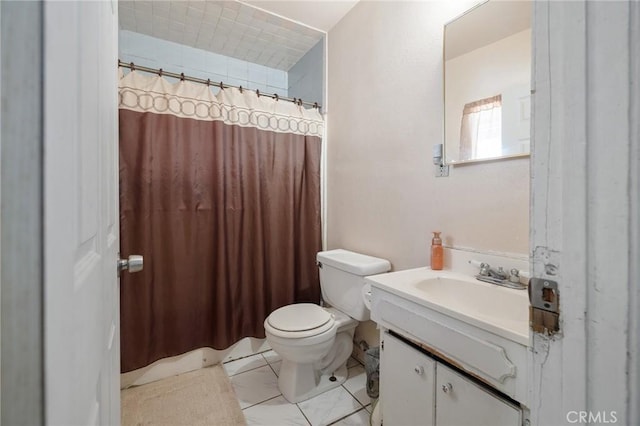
(498, 276)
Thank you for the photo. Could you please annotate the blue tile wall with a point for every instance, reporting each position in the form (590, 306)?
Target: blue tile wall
(306, 78)
(157, 53)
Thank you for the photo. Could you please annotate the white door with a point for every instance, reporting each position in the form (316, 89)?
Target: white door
(585, 210)
(82, 352)
(461, 402)
(407, 380)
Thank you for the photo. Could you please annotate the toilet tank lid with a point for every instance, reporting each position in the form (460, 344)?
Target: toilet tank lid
(355, 263)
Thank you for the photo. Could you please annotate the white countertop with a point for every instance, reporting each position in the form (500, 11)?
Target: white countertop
(499, 310)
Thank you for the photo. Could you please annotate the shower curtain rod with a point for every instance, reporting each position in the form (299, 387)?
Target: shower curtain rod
(208, 82)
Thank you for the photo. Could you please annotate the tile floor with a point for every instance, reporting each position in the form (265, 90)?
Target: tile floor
(255, 382)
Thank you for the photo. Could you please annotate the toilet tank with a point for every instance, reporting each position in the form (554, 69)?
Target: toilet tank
(342, 275)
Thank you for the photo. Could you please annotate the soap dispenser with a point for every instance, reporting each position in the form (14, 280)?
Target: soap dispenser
(436, 252)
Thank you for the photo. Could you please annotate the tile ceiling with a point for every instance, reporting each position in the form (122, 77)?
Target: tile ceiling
(229, 28)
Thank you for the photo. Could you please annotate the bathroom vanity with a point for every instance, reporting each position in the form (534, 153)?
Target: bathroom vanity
(454, 349)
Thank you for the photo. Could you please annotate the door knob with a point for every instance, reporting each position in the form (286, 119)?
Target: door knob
(134, 263)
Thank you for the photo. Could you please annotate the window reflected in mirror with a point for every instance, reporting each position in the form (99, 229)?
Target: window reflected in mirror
(481, 129)
(487, 64)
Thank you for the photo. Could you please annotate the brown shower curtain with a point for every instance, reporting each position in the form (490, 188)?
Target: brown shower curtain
(226, 215)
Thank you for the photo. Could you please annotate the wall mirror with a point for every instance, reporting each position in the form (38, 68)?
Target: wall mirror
(487, 82)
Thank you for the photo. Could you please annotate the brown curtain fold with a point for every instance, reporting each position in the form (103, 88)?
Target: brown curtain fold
(228, 220)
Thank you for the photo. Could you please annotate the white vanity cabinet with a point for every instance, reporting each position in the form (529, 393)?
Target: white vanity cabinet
(462, 402)
(418, 390)
(407, 381)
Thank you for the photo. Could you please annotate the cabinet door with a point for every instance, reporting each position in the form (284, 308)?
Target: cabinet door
(407, 383)
(462, 402)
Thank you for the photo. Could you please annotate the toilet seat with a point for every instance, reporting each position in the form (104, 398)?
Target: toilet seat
(299, 320)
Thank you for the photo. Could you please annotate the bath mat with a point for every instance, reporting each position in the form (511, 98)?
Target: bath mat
(201, 397)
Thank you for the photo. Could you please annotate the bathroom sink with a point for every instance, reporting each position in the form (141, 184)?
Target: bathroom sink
(496, 309)
(475, 297)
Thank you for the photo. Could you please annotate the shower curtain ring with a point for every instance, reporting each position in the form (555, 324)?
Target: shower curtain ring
(258, 92)
(221, 86)
(208, 82)
(181, 76)
(160, 72)
(240, 89)
(275, 95)
(132, 66)
(315, 105)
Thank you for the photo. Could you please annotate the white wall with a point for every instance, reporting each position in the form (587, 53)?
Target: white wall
(157, 53)
(22, 346)
(384, 113)
(503, 67)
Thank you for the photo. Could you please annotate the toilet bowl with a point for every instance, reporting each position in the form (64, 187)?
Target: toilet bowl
(314, 342)
(314, 358)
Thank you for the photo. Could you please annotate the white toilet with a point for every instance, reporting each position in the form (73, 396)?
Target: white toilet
(314, 342)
